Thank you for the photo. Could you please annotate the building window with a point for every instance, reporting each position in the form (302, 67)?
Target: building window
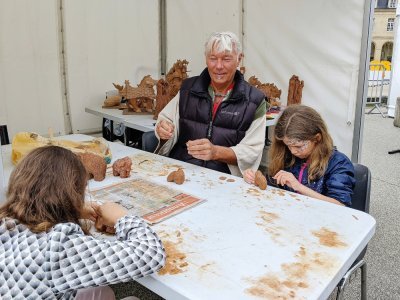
(392, 3)
(387, 51)
(390, 24)
(382, 4)
(372, 54)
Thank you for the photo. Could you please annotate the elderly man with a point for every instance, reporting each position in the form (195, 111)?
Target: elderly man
(217, 120)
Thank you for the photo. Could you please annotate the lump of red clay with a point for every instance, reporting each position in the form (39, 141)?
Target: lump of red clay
(122, 167)
(95, 165)
(260, 180)
(177, 176)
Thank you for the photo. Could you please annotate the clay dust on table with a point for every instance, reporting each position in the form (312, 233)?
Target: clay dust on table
(268, 216)
(293, 278)
(328, 238)
(253, 192)
(176, 260)
(295, 196)
(269, 226)
(279, 192)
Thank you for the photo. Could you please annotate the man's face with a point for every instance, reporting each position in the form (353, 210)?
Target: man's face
(221, 67)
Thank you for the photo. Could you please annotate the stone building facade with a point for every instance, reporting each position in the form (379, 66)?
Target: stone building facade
(383, 30)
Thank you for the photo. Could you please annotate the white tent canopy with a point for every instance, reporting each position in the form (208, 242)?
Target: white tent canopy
(97, 42)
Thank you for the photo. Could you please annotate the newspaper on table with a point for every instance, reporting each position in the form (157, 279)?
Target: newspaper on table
(153, 202)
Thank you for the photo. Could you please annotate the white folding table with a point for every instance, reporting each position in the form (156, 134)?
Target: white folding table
(244, 243)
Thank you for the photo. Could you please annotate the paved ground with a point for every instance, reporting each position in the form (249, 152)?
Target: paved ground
(383, 259)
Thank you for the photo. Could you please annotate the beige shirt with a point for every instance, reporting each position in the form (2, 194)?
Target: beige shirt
(248, 152)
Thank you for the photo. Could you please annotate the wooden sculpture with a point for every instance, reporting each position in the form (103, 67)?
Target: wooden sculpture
(271, 92)
(139, 99)
(112, 101)
(168, 88)
(295, 90)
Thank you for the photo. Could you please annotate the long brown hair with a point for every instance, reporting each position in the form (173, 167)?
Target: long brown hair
(47, 187)
(303, 123)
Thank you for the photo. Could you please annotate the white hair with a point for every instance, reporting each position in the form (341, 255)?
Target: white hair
(223, 42)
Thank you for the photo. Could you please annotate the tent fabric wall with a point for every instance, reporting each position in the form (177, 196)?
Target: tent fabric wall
(190, 22)
(323, 51)
(107, 41)
(30, 86)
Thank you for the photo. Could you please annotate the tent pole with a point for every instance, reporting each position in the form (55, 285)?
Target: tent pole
(362, 81)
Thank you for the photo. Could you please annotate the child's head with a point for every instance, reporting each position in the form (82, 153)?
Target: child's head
(301, 132)
(46, 188)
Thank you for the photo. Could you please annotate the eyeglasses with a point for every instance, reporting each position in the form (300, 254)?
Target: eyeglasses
(297, 145)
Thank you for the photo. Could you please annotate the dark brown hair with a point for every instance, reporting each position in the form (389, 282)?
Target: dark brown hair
(303, 123)
(47, 187)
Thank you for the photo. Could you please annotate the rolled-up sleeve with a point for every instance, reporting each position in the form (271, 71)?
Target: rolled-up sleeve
(249, 150)
(169, 113)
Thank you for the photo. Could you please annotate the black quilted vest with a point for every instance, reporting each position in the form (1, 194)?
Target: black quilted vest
(232, 119)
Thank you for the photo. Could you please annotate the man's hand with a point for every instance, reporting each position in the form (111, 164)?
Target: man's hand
(165, 129)
(201, 149)
(287, 178)
(249, 176)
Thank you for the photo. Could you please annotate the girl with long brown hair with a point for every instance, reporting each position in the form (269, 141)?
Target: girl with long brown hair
(302, 158)
(45, 249)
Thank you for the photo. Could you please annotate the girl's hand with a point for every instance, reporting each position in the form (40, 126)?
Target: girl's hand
(287, 178)
(89, 211)
(107, 215)
(249, 176)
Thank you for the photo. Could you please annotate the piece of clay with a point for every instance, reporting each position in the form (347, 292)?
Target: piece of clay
(177, 176)
(122, 167)
(260, 180)
(95, 165)
(171, 176)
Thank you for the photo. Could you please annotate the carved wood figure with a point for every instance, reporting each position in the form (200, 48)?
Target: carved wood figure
(270, 90)
(168, 88)
(295, 90)
(139, 99)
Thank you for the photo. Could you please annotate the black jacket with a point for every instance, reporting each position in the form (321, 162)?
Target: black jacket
(232, 119)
